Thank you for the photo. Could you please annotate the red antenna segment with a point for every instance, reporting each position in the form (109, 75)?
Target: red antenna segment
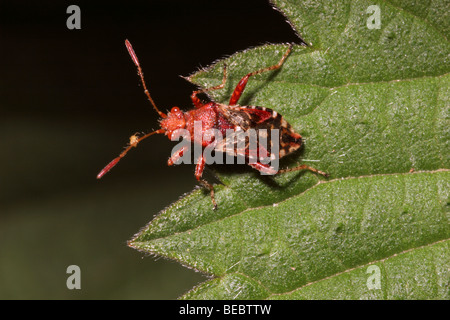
(141, 75)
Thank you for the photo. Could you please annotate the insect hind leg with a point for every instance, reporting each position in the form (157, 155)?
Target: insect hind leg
(263, 168)
(267, 169)
(304, 167)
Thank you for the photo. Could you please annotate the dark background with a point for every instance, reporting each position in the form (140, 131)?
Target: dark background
(69, 100)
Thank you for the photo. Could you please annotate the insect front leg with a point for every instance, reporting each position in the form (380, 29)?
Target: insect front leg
(196, 101)
(198, 175)
(241, 85)
(177, 155)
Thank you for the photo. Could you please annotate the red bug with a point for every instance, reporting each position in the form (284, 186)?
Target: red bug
(219, 116)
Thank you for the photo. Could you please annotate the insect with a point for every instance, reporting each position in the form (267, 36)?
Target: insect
(214, 115)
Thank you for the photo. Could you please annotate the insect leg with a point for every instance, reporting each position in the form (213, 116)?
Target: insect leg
(177, 155)
(304, 167)
(265, 168)
(241, 85)
(198, 175)
(196, 101)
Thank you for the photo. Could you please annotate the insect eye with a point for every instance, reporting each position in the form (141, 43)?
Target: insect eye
(175, 110)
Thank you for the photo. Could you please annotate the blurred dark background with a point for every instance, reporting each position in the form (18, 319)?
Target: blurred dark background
(69, 100)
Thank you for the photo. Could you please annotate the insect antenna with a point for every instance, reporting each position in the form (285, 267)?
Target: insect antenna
(134, 140)
(141, 75)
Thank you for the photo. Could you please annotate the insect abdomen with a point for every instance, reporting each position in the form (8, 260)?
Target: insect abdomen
(265, 118)
(290, 141)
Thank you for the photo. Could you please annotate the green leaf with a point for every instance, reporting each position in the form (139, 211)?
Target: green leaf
(373, 108)
(399, 279)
